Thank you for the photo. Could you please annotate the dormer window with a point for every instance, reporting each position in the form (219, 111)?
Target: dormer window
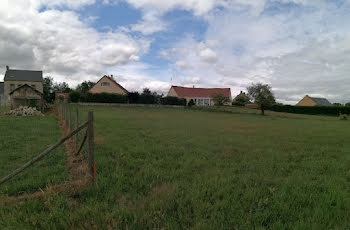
(104, 83)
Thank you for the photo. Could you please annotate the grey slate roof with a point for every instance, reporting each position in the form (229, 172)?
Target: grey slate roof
(23, 75)
(1, 88)
(321, 101)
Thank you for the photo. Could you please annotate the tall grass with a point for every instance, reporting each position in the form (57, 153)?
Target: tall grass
(173, 169)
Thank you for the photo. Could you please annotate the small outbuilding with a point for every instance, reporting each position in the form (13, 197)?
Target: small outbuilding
(61, 97)
(26, 95)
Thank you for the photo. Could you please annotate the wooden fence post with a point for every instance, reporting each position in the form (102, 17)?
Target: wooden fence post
(76, 139)
(91, 146)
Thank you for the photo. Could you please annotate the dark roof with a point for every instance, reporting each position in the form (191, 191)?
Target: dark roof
(23, 75)
(200, 92)
(1, 88)
(28, 86)
(321, 101)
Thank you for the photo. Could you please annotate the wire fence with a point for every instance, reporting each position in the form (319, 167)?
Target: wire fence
(26, 148)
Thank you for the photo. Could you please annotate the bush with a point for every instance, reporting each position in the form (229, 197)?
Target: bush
(147, 99)
(312, 110)
(104, 98)
(343, 117)
(173, 101)
(191, 103)
(133, 97)
(220, 100)
(74, 96)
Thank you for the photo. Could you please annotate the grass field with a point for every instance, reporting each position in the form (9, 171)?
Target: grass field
(21, 139)
(182, 169)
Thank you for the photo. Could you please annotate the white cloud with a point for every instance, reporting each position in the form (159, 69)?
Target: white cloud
(207, 55)
(151, 23)
(297, 51)
(59, 42)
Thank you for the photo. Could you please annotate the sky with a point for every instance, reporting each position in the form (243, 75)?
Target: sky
(298, 47)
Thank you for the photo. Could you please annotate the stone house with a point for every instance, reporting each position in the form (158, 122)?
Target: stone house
(16, 78)
(26, 95)
(313, 101)
(107, 84)
(200, 96)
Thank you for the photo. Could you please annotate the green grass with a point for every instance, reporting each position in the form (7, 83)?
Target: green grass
(185, 169)
(21, 139)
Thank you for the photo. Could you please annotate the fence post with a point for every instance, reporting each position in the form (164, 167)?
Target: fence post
(91, 146)
(75, 127)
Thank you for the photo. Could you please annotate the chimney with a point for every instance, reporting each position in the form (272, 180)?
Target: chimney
(7, 68)
(193, 86)
(241, 91)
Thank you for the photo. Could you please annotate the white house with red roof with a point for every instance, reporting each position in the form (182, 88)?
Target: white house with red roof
(201, 96)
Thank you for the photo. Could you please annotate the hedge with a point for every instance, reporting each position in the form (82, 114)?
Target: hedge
(312, 110)
(173, 101)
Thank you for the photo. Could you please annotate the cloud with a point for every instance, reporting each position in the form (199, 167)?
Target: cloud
(206, 54)
(151, 23)
(295, 50)
(59, 42)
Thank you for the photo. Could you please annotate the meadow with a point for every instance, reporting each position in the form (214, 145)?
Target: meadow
(21, 139)
(166, 168)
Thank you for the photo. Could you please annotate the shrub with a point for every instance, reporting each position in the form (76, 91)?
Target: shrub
(220, 100)
(147, 99)
(343, 117)
(74, 96)
(191, 103)
(133, 97)
(173, 101)
(312, 110)
(106, 98)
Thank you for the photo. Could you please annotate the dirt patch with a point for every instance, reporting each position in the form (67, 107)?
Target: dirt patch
(99, 140)
(78, 172)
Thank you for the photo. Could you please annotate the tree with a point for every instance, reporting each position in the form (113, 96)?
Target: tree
(62, 87)
(347, 104)
(220, 100)
(48, 91)
(74, 96)
(337, 104)
(85, 86)
(241, 100)
(262, 95)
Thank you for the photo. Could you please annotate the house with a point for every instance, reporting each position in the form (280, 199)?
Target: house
(2, 93)
(16, 78)
(26, 95)
(200, 96)
(313, 101)
(107, 84)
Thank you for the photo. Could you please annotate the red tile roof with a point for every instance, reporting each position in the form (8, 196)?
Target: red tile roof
(200, 92)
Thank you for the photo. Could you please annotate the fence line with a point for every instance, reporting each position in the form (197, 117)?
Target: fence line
(128, 105)
(65, 112)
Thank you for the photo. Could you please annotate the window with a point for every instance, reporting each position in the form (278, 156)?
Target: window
(104, 83)
(203, 101)
(19, 85)
(33, 86)
(200, 101)
(12, 87)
